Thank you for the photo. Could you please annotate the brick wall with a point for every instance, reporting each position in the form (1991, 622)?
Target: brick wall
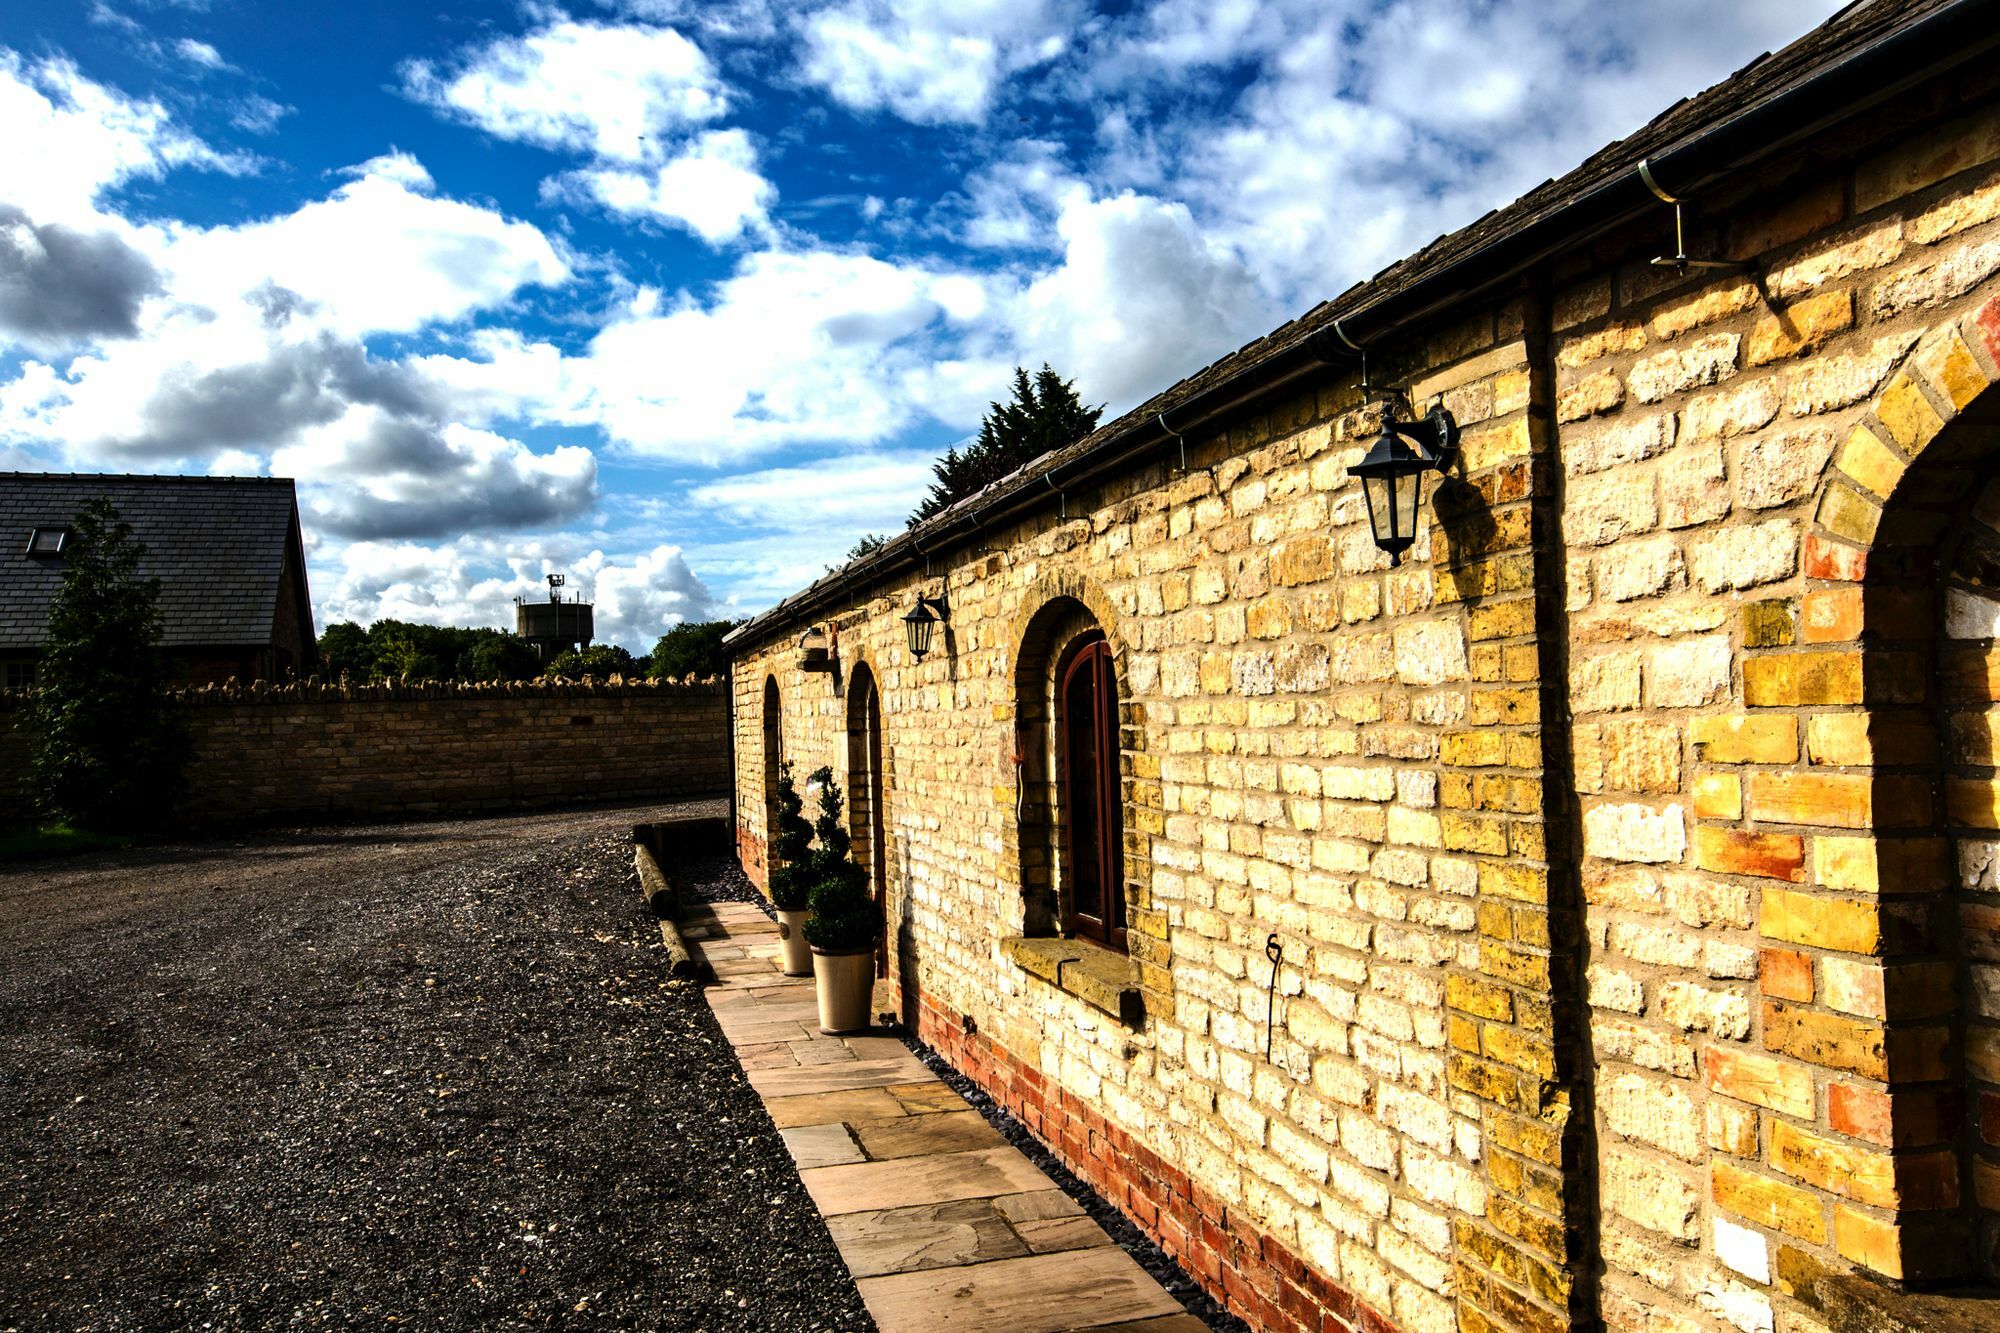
(1620, 843)
(311, 750)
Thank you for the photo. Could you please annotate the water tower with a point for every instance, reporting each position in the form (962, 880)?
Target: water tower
(554, 625)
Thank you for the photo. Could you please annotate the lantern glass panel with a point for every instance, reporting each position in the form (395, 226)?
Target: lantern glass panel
(1381, 508)
(1408, 504)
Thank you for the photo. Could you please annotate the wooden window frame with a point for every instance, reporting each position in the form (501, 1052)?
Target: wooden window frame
(1100, 793)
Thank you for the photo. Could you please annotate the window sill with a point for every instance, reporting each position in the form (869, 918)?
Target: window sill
(1859, 1301)
(1100, 977)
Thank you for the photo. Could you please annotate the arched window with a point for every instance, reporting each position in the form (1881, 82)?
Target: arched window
(1071, 774)
(774, 755)
(1093, 887)
(865, 787)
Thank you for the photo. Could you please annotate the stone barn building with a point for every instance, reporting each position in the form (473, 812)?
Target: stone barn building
(1629, 851)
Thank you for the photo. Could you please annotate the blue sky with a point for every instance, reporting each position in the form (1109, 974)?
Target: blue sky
(681, 298)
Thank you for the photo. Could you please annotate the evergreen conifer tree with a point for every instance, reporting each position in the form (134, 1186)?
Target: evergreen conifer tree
(1044, 414)
(843, 917)
(107, 750)
(792, 856)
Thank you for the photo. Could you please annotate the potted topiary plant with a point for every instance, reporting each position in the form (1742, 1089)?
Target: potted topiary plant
(792, 869)
(843, 926)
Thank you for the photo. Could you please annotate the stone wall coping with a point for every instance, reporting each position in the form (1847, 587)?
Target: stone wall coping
(314, 690)
(1102, 978)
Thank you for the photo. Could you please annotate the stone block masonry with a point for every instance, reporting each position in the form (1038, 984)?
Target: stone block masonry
(309, 751)
(1631, 846)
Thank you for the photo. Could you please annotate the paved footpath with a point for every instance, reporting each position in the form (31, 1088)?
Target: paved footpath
(944, 1224)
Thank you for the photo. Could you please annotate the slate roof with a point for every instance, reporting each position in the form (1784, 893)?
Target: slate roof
(218, 545)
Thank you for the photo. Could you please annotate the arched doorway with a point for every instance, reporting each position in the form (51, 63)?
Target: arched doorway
(774, 756)
(1888, 950)
(865, 791)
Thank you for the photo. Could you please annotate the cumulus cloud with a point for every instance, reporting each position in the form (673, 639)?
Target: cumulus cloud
(59, 285)
(929, 61)
(713, 188)
(1141, 298)
(637, 100)
(69, 139)
(793, 347)
(376, 475)
(384, 253)
(595, 88)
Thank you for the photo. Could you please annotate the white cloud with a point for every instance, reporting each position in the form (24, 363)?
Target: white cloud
(929, 61)
(855, 493)
(1012, 201)
(794, 347)
(200, 54)
(378, 475)
(600, 89)
(257, 114)
(637, 594)
(1140, 299)
(713, 188)
(382, 254)
(69, 139)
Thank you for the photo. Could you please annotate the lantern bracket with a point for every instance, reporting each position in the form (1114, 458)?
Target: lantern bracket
(1436, 435)
(940, 605)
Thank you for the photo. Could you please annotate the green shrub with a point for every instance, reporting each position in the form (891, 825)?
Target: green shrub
(844, 919)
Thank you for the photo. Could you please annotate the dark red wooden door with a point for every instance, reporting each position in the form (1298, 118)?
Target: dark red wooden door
(1094, 835)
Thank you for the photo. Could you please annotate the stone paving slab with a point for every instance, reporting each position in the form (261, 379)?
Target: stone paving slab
(1043, 1293)
(942, 1222)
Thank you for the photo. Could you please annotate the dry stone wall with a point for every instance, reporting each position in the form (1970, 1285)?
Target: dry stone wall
(1631, 845)
(316, 750)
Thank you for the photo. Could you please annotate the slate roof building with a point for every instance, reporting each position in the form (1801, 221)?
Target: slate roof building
(1583, 916)
(227, 552)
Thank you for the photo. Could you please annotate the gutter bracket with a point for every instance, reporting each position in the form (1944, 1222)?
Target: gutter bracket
(1679, 260)
(1180, 438)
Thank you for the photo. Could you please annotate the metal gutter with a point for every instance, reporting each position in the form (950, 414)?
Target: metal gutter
(1851, 85)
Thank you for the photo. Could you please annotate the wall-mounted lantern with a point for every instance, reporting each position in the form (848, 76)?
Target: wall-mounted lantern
(813, 654)
(1392, 474)
(920, 624)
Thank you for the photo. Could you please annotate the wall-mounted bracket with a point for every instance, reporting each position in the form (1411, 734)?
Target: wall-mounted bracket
(1679, 260)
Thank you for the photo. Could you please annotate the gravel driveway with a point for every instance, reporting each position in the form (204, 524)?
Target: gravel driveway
(425, 1074)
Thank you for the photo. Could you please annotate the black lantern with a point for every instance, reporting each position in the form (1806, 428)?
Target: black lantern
(1392, 475)
(920, 623)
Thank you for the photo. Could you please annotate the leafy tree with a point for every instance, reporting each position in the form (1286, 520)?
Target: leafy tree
(344, 651)
(791, 847)
(404, 652)
(691, 648)
(597, 662)
(843, 917)
(1045, 414)
(108, 751)
(389, 649)
(497, 656)
(868, 545)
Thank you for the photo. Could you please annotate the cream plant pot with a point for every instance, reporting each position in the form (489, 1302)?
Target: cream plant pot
(795, 953)
(846, 983)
